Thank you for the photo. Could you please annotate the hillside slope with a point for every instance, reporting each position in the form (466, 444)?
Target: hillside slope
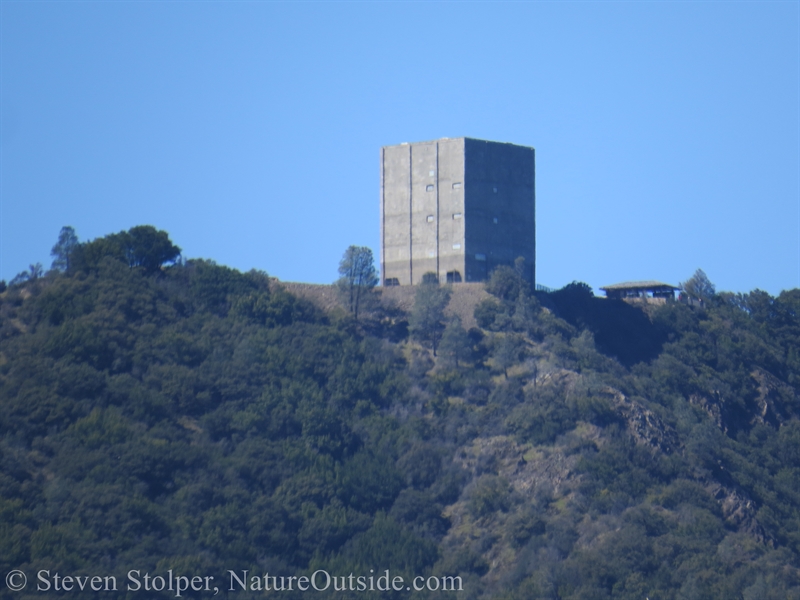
(198, 419)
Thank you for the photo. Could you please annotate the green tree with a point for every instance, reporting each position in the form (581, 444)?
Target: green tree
(490, 314)
(142, 246)
(526, 309)
(32, 274)
(146, 246)
(455, 344)
(427, 317)
(357, 277)
(63, 249)
(506, 282)
(699, 286)
(507, 351)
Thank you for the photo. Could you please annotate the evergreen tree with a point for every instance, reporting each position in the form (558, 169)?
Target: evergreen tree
(358, 277)
(32, 274)
(507, 351)
(699, 286)
(455, 344)
(63, 249)
(142, 246)
(427, 317)
(506, 283)
(146, 246)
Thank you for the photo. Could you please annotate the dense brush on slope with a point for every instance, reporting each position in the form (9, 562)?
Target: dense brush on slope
(199, 419)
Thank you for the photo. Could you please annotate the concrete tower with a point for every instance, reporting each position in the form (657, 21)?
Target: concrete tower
(456, 207)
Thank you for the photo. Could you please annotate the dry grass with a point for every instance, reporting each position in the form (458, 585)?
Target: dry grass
(462, 302)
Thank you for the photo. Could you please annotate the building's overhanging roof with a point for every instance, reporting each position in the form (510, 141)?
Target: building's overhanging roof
(639, 285)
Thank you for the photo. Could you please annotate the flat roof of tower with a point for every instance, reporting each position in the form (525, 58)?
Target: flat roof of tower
(457, 138)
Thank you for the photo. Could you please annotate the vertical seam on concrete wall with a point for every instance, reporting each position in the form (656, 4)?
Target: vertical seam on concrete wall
(436, 166)
(382, 219)
(464, 215)
(534, 220)
(410, 218)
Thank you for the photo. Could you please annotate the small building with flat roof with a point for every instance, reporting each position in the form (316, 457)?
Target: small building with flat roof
(640, 289)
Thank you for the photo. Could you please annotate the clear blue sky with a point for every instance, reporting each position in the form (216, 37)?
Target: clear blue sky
(667, 133)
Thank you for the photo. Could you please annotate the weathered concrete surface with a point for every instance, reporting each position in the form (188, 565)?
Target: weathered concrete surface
(456, 207)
